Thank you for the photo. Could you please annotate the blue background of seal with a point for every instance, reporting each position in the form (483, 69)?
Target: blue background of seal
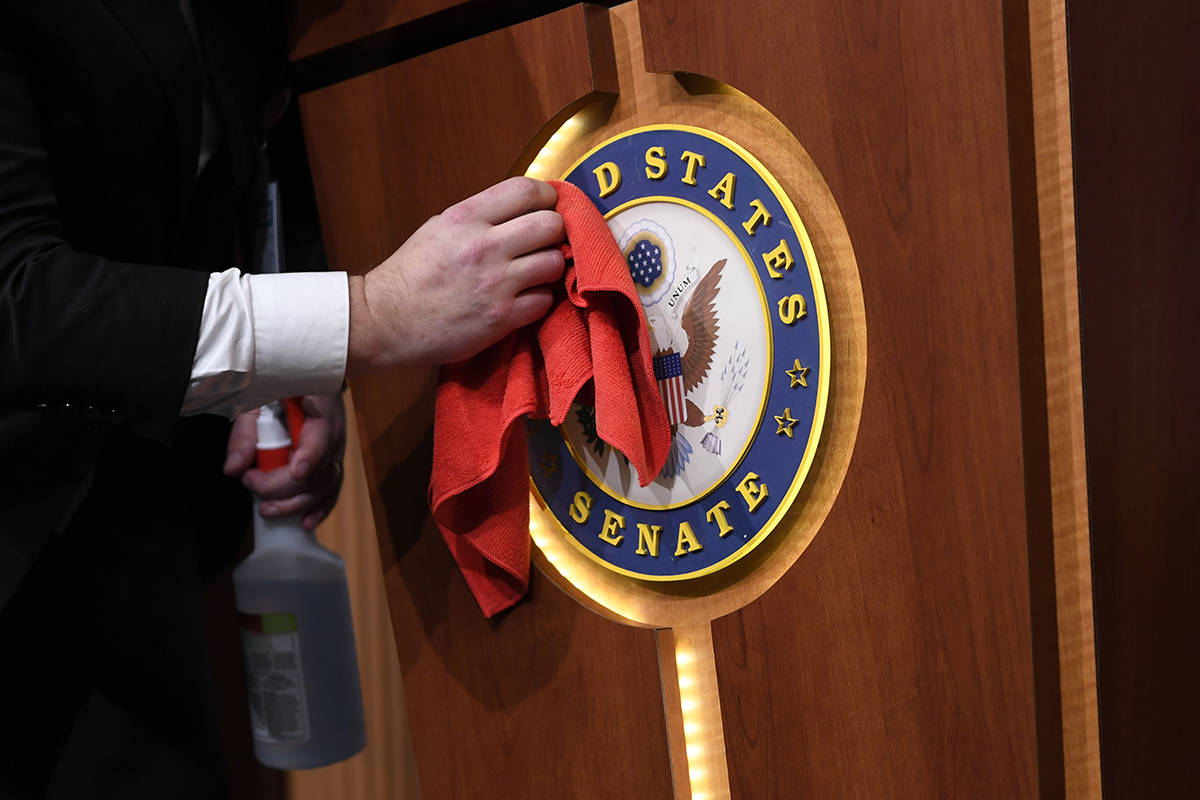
(775, 457)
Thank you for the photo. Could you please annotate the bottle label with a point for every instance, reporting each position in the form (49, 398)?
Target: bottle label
(274, 680)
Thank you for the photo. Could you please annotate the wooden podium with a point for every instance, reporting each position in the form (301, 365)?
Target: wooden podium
(933, 637)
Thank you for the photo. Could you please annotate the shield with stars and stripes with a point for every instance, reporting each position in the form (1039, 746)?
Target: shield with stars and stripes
(668, 371)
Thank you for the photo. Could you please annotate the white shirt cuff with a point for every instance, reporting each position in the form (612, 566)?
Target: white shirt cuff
(264, 337)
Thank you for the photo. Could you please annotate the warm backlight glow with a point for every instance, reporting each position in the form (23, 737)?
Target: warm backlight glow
(699, 729)
(557, 143)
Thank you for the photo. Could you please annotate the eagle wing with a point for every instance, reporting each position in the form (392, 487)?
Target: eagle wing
(700, 326)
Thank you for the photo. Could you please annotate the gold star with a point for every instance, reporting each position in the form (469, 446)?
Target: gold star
(799, 375)
(785, 422)
(550, 464)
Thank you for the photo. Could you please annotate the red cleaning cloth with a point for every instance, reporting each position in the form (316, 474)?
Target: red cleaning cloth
(595, 334)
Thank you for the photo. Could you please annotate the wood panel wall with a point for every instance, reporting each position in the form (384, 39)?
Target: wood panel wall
(318, 25)
(1134, 82)
(1052, 390)
(903, 645)
(386, 768)
(544, 701)
(334, 40)
(895, 658)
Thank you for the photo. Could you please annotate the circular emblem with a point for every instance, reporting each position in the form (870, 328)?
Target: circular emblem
(740, 336)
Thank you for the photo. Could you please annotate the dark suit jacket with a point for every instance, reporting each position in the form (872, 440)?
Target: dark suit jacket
(109, 504)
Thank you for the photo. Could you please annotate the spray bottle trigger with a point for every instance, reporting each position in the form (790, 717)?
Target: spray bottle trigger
(295, 418)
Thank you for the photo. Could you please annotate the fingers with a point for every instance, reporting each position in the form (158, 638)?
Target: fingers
(274, 485)
(313, 479)
(536, 269)
(314, 506)
(531, 305)
(243, 441)
(315, 446)
(530, 232)
(506, 200)
(283, 496)
(447, 293)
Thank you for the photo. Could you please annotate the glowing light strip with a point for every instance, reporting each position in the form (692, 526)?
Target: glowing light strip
(704, 739)
(559, 140)
(704, 742)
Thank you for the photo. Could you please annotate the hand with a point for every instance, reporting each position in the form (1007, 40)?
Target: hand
(466, 279)
(310, 483)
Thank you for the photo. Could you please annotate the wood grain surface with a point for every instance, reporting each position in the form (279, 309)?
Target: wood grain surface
(386, 768)
(316, 25)
(1134, 79)
(683, 611)
(647, 99)
(549, 700)
(334, 40)
(895, 658)
(1052, 390)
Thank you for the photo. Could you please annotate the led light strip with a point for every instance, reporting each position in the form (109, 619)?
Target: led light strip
(691, 667)
(700, 707)
(688, 644)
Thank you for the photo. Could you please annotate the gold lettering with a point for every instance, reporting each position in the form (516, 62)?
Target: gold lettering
(648, 539)
(723, 191)
(717, 513)
(693, 160)
(760, 217)
(777, 259)
(581, 507)
(608, 178)
(688, 543)
(792, 308)
(752, 491)
(612, 522)
(655, 157)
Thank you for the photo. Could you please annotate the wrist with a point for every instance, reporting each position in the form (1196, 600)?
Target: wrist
(365, 350)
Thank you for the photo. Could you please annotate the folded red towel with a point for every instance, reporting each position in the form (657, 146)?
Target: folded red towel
(595, 333)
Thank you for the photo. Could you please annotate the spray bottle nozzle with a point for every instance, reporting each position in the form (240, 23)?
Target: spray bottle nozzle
(275, 441)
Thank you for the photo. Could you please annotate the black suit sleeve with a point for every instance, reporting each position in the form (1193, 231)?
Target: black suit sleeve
(77, 330)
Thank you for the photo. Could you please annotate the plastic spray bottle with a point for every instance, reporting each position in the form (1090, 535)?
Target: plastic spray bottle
(297, 633)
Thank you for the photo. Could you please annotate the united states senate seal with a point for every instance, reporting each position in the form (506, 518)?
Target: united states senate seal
(740, 335)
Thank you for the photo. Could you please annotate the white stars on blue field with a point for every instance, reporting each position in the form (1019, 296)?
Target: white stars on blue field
(645, 262)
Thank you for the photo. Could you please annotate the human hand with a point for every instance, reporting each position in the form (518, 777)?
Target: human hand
(467, 278)
(310, 484)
